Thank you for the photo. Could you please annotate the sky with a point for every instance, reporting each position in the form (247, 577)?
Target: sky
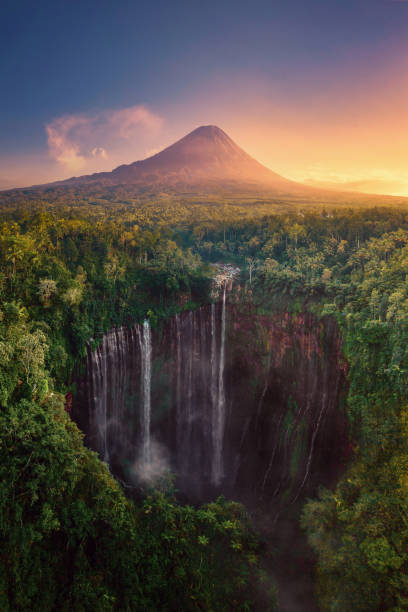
(316, 90)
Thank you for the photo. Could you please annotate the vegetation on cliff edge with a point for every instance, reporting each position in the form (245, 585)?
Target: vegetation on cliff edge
(70, 538)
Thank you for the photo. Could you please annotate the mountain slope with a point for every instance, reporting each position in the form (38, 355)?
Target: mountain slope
(206, 165)
(204, 159)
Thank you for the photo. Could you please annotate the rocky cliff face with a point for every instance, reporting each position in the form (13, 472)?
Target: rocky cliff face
(231, 401)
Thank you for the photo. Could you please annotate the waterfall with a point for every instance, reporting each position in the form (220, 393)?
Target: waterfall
(213, 371)
(98, 367)
(97, 416)
(104, 358)
(146, 380)
(107, 371)
(179, 407)
(189, 383)
(219, 412)
(281, 391)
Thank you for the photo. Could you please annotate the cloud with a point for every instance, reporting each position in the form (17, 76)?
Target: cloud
(129, 120)
(99, 152)
(80, 142)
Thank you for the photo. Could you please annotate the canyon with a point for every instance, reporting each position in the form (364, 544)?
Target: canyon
(231, 401)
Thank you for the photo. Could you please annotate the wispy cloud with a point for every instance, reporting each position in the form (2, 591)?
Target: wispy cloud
(81, 142)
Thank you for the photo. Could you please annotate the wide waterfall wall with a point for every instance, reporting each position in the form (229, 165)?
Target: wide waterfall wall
(290, 370)
(230, 401)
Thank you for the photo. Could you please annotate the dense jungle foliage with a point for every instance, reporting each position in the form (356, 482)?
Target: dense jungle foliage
(353, 267)
(70, 538)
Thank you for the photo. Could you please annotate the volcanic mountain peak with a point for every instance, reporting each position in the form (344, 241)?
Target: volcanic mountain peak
(208, 130)
(205, 162)
(209, 136)
(205, 145)
(212, 132)
(206, 159)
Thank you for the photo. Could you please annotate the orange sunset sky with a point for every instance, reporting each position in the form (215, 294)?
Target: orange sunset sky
(323, 101)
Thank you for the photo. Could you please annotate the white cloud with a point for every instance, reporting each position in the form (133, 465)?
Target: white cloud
(99, 152)
(81, 142)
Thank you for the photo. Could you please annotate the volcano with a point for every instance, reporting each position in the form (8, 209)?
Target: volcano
(206, 160)
(205, 164)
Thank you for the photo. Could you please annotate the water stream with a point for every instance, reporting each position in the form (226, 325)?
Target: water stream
(219, 403)
(146, 383)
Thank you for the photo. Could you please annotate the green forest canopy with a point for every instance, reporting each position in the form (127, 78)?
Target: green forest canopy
(70, 538)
